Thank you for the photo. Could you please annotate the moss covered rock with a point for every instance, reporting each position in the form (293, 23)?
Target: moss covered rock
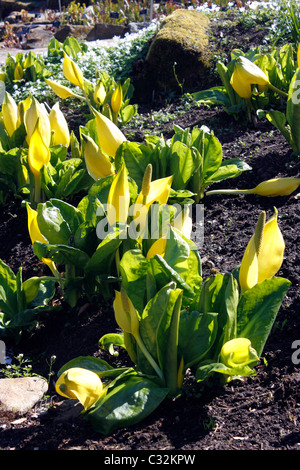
(179, 53)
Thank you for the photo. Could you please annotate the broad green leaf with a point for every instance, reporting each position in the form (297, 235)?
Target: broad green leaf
(101, 261)
(167, 339)
(92, 363)
(136, 157)
(171, 273)
(108, 341)
(136, 276)
(61, 254)
(127, 113)
(58, 221)
(131, 400)
(31, 288)
(293, 110)
(228, 169)
(207, 368)
(212, 156)
(197, 333)
(225, 75)
(46, 292)
(220, 294)
(214, 96)
(181, 165)
(8, 290)
(257, 310)
(278, 119)
(152, 316)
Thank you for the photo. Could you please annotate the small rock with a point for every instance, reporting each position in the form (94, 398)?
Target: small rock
(19, 395)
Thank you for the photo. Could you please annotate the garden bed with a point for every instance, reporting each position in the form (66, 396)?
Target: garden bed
(255, 413)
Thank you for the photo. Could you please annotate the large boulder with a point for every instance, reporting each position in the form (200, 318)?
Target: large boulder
(19, 395)
(106, 31)
(79, 32)
(179, 53)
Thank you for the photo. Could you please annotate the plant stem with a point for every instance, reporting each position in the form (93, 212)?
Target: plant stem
(282, 93)
(117, 258)
(228, 191)
(37, 188)
(148, 356)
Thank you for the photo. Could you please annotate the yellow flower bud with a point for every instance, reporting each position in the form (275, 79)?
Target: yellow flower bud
(183, 222)
(245, 74)
(59, 127)
(98, 165)
(158, 191)
(263, 256)
(276, 187)
(125, 313)
(157, 248)
(29, 61)
(147, 181)
(60, 90)
(81, 384)
(118, 198)
(99, 93)
(72, 72)
(271, 252)
(38, 152)
(117, 99)
(238, 353)
(22, 107)
(10, 114)
(36, 236)
(109, 135)
(33, 228)
(18, 72)
(35, 112)
(180, 373)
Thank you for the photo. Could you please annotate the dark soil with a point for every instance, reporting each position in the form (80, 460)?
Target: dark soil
(256, 413)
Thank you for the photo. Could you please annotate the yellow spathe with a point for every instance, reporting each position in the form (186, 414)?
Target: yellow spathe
(59, 127)
(81, 384)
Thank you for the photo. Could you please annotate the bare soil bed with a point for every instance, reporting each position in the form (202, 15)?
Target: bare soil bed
(256, 413)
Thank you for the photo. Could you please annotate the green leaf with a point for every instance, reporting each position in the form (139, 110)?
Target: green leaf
(293, 110)
(181, 164)
(208, 367)
(108, 341)
(136, 157)
(220, 294)
(31, 288)
(136, 278)
(213, 97)
(212, 156)
(229, 169)
(278, 119)
(91, 363)
(151, 318)
(197, 333)
(257, 310)
(131, 400)
(101, 261)
(61, 254)
(46, 292)
(167, 339)
(8, 290)
(171, 273)
(58, 221)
